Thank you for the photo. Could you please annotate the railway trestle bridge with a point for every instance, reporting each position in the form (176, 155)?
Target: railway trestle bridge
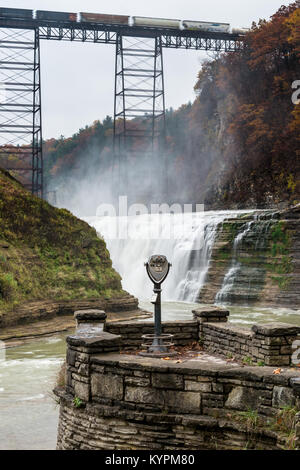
(139, 83)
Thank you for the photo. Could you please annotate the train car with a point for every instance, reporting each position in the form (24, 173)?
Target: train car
(16, 13)
(156, 22)
(55, 15)
(103, 18)
(240, 31)
(206, 26)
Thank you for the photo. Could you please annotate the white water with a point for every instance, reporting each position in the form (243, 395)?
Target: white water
(186, 240)
(233, 272)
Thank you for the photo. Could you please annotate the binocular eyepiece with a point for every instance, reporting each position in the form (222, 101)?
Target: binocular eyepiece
(157, 268)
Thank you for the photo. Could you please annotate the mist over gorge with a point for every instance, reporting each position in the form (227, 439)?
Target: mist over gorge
(235, 146)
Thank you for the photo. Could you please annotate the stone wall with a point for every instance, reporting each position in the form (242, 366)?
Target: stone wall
(131, 402)
(106, 428)
(79, 353)
(269, 344)
(113, 399)
(131, 333)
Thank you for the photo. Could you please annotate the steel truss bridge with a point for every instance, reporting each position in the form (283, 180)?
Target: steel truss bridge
(139, 86)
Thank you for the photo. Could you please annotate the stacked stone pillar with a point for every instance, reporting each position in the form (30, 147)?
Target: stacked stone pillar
(90, 339)
(273, 343)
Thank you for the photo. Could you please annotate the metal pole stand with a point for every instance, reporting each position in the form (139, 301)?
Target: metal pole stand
(157, 345)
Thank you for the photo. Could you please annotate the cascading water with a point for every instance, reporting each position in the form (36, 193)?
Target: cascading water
(243, 281)
(235, 268)
(186, 240)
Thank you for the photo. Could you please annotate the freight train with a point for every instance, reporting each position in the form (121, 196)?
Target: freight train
(134, 21)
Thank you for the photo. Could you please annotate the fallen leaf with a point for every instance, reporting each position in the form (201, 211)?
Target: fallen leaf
(277, 371)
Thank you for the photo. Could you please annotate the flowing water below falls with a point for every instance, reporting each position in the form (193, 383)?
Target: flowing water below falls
(187, 241)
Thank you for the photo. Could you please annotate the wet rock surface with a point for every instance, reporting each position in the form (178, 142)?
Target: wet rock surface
(256, 261)
(46, 309)
(13, 335)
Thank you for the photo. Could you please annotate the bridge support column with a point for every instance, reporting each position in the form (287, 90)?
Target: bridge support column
(139, 119)
(20, 107)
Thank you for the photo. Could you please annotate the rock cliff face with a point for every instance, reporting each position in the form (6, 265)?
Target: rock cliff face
(44, 310)
(50, 261)
(256, 260)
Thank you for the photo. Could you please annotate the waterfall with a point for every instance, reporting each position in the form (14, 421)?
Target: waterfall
(235, 268)
(186, 240)
(243, 281)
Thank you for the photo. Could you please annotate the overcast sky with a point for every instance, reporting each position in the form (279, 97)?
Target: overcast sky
(78, 79)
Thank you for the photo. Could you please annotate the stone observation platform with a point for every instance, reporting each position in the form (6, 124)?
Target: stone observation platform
(115, 399)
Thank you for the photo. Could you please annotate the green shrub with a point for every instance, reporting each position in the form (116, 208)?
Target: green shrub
(8, 286)
(248, 360)
(285, 420)
(250, 418)
(77, 402)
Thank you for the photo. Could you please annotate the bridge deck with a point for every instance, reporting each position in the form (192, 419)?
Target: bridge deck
(107, 34)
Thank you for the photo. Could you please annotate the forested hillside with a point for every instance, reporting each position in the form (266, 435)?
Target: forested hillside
(236, 145)
(47, 253)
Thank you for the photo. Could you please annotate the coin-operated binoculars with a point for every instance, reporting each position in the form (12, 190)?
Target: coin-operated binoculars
(157, 268)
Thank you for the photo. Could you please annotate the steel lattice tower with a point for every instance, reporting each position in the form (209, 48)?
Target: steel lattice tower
(20, 106)
(139, 109)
